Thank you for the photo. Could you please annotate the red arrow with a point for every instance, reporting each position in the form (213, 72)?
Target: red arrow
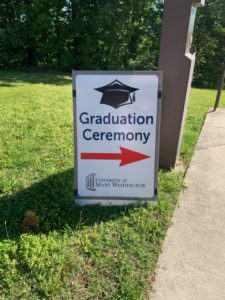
(126, 156)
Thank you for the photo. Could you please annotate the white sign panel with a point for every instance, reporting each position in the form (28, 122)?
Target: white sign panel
(116, 131)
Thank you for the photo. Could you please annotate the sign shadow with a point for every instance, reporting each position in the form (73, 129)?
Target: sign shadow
(49, 205)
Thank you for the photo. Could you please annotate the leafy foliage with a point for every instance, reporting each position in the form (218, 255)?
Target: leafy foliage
(83, 34)
(103, 35)
(209, 43)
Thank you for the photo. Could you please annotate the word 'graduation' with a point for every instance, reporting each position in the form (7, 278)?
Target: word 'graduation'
(130, 119)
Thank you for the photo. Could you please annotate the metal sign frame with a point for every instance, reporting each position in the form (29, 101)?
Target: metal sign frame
(91, 200)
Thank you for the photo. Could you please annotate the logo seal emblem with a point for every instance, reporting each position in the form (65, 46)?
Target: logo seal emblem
(90, 182)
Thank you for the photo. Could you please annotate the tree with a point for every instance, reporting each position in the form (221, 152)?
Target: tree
(103, 35)
(115, 34)
(209, 43)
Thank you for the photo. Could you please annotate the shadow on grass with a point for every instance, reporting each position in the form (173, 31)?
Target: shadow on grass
(10, 78)
(5, 85)
(52, 201)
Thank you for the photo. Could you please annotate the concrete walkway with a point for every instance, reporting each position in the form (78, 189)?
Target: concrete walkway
(192, 263)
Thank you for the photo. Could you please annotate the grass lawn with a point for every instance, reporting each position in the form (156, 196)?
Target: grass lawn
(50, 248)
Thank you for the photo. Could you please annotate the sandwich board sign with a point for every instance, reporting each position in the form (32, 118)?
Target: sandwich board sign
(116, 131)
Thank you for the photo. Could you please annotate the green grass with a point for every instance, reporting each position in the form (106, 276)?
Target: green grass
(72, 252)
(202, 100)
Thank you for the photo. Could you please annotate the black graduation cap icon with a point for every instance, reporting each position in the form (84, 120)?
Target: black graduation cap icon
(117, 94)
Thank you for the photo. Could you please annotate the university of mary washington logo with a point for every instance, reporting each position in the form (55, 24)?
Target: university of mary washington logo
(117, 94)
(90, 182)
